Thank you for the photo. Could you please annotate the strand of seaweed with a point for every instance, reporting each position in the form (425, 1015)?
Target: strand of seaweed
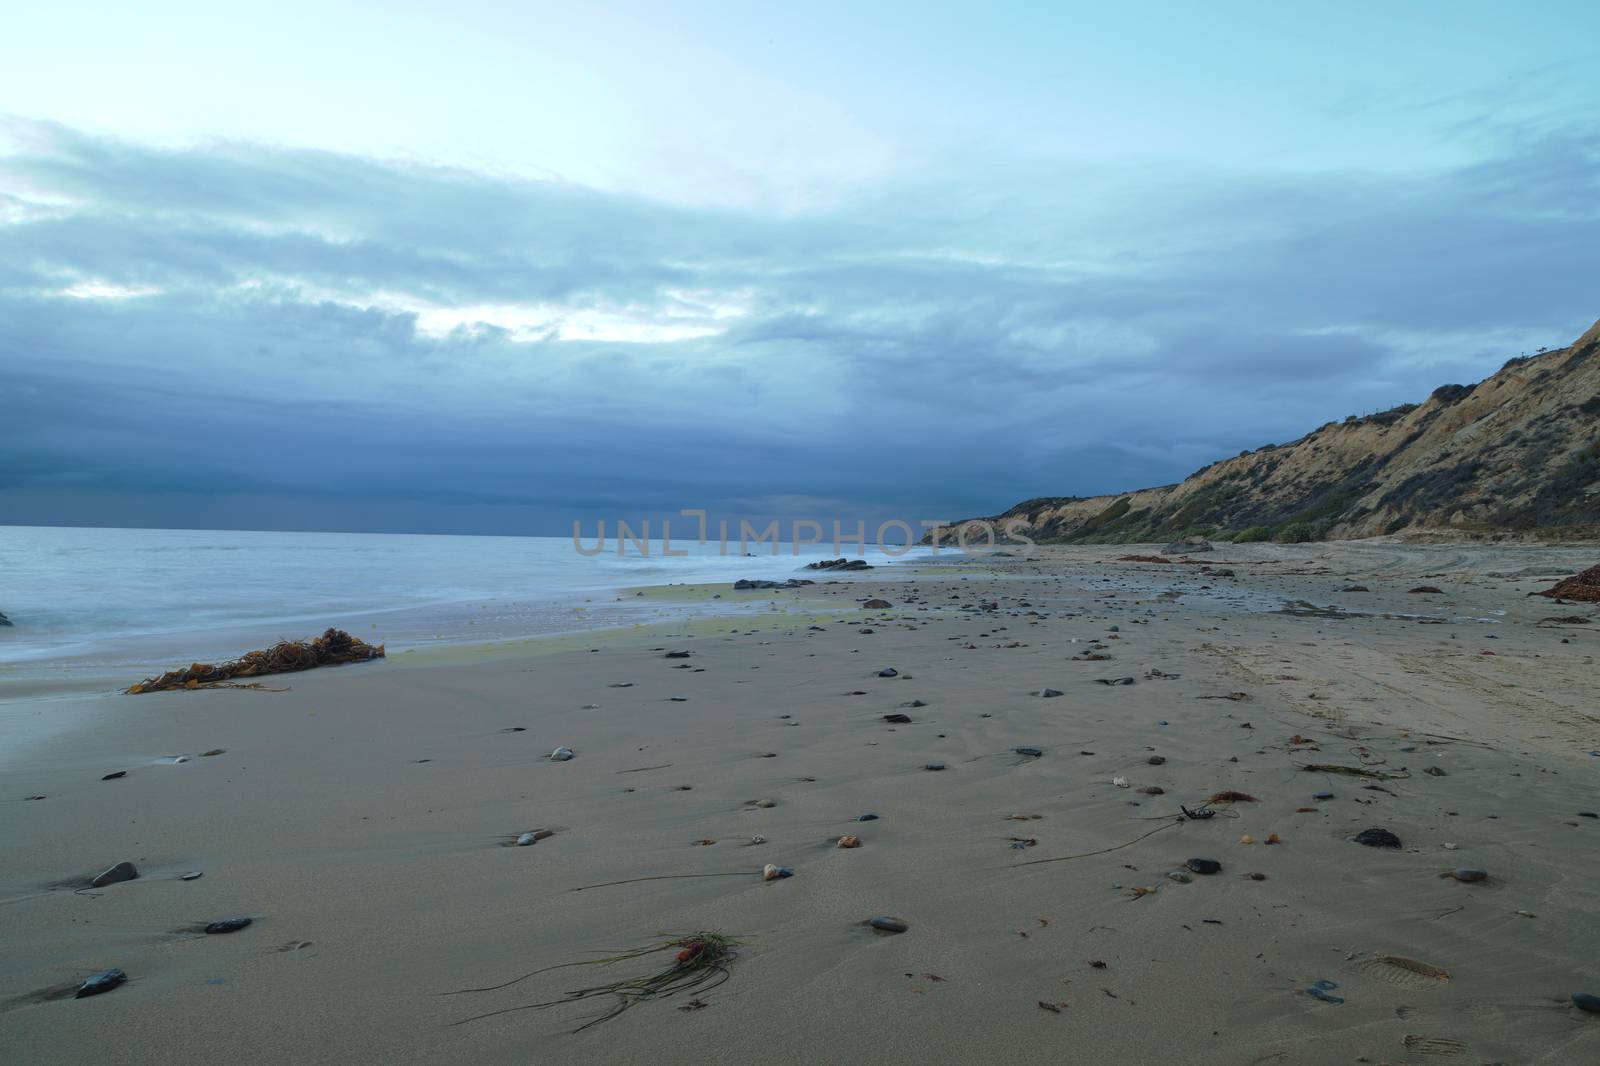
(669, 877)
(701, 964)
(1102, 851)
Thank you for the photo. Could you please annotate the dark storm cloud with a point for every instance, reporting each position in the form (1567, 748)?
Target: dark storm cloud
(247, 332)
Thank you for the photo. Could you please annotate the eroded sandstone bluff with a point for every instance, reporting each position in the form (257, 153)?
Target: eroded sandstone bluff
(1516, 453)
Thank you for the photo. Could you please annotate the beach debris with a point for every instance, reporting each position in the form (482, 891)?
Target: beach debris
(1469, 874)
(1230, 796)
(1053, 1008)
(1113, 680)
(1019, 843)
(755, 840)
(1247, 839)
(1258, 877)
(1204, 866)
(533, 836)
(886, 924)
(1273, 838)
(897, 719)
(122, 871)
(115, 775)
(1033, 753)
(773, 872)
(1407, 973)
(228, 925)
(700, 963)
(1435, 771)
(562, 754)
(1199, 814)
(1180, 876)
(1355, 771)
(102, 982)
(334, 648)
(1046, 693)
(888, 671)
(192, 875)
(1236, 697)
(1120, 781)
(1584, 587)
(1585, 1001)
(1141, 892)
(1322, 795)
(1152, 790)
(765, 804)
(1323, 990)
(849, 842)
(1377, 838)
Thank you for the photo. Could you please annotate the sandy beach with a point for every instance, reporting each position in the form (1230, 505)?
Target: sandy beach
(366, 819)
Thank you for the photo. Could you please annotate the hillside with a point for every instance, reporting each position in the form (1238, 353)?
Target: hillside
(1518, 452)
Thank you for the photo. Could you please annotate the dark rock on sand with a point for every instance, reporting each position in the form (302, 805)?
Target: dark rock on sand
(1032, 752)
(676, 655)
(934, 766)
(1585, 1001)
(1429, 590)
(839, 564)
(114, 775)
(884, 924)
(104, 981)
(228, 925)
(1204, 866)
(1156, 760)
(898, 719)
(1046, 693)
(1468, 874)
(122, 871)
(877, 605)
(888, 671)
(1377, 838)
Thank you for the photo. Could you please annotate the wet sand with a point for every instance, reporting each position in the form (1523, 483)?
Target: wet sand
(364, 819)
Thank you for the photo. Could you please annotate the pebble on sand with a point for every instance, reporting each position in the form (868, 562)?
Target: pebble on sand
(1204, 866)
(934, 766)
(771, 872)
(1469, 874)
(1377, 838)
(885, 924)
(122, 871)
(1046, 693)
(562, 754)
(888, 671)
(533, 837)
(104, 981)
(228, 925)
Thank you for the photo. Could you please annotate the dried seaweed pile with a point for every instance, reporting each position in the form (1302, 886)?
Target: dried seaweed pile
(333, 648)
(1585, 587)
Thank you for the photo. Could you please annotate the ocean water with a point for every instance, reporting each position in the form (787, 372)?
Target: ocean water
(126, 602)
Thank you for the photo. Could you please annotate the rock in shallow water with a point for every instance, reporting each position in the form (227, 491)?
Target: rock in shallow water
(122, 871)
(228, 925)
(104, 981)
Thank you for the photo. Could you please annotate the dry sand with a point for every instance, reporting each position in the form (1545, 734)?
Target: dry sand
(363, 817)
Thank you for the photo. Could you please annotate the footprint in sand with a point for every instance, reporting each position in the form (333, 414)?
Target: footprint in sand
(1434, 1045)
(1407, 973)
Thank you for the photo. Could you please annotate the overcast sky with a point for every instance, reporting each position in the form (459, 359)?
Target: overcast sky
(490, 267)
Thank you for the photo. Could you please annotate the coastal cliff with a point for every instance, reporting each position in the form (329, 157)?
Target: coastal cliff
(1517, 453)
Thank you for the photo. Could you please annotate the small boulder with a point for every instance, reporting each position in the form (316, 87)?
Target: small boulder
(122, 871)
